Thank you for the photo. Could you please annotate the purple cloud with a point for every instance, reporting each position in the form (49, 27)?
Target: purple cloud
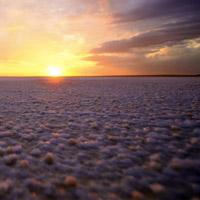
(168, 34)
(183, 60)
(160, 9)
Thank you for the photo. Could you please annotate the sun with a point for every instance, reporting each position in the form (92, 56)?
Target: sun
(54, 71)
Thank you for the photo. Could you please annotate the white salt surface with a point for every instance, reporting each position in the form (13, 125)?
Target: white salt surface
(99, 138)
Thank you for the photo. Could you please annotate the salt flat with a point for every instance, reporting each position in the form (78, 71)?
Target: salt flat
(100, 138)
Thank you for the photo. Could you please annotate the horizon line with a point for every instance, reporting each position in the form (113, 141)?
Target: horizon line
(154, 75)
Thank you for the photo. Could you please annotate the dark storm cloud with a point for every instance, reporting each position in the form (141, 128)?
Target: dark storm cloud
(160, 9)
(170, 34)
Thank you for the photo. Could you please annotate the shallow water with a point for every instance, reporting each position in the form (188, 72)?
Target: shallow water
(118, 137)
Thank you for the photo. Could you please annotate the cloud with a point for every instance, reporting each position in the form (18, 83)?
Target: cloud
(167, 41)
(160, 9)
(131, 32)
(178, 59)
(170, 34)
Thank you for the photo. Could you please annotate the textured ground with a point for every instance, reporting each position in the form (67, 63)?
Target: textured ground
(100, 138)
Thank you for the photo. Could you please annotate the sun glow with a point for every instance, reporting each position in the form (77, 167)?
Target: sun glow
(54, 71)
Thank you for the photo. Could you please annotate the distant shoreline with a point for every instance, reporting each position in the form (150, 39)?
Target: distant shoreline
(176, 75)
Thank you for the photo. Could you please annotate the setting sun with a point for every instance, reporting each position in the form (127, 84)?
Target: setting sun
(54, 71)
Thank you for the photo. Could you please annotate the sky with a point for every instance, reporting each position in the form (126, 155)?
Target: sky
(99, 37)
